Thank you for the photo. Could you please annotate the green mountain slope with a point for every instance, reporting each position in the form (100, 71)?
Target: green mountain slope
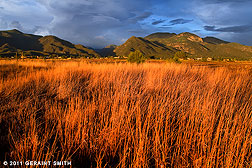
(107, 51)
(53, 44)
(230, 50)
(196, 46)
(7, 48)
(157, 45)
(33, 44)
(186, 42)
(147, 48)
(20, 40)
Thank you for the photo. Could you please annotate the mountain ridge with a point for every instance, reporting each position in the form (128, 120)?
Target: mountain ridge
(44, 44)
(193, 45)
(150, 49)
(160, 45)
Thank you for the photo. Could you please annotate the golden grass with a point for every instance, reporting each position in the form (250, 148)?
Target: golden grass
(124, 115)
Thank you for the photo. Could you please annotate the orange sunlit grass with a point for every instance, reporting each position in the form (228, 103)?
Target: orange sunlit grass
(126, 115)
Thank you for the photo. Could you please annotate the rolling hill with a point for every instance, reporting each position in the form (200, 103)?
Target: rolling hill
(12, 41)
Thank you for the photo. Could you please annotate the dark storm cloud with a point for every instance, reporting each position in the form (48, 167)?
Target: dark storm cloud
(98, 23)
(233, 29)
(231, 19)
(158, 22)
(223, 12)
(179, 21)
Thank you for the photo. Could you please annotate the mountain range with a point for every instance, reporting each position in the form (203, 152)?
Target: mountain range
(156, 45)
(14, 41)
(165, 45)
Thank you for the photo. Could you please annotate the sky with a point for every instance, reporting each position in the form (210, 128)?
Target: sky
(98, 23)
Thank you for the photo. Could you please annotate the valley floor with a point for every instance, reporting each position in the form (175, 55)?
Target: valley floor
(102, 113)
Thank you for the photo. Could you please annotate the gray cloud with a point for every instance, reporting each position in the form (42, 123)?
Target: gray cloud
(140, 17)
(223, 12)
(210, 28)
(137, 31)
(233, 29)
(25, 15)
(3, 23)
(180, 21)
(231, 19)
(165, 27)
(16, 24)
(158, 22)
(243, 38)
(196, 31)
(96, 23)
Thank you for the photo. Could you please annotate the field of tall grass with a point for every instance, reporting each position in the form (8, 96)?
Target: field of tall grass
(126, 115)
